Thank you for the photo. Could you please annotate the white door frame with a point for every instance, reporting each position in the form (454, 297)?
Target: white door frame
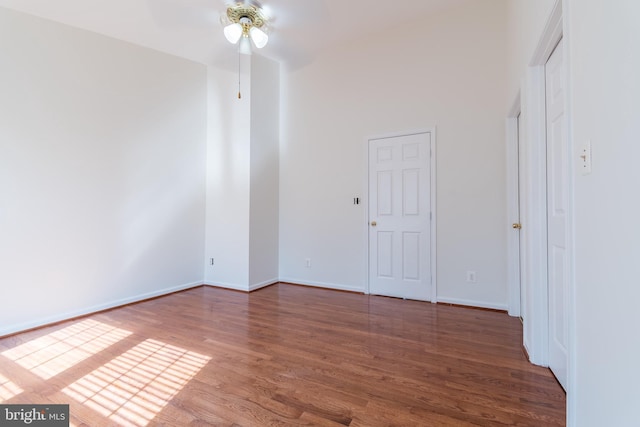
(433, 246)
(536, 323)
(514, 269)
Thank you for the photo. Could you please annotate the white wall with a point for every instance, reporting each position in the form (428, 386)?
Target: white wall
(242, 176)
(604, 39)
(265, 171)
(526, 21)
(102, 170)
(447, 71)
(228, 178)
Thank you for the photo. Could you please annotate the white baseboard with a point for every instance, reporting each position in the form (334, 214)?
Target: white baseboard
(231, 286)
(263, 284)
(13, 329)
(242, 288)
(472, 303)
(323, 285)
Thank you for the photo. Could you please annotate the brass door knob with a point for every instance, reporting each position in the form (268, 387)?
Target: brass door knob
(517, 226)
(373, 223)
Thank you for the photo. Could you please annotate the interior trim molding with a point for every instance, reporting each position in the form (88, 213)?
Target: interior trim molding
(536, 322)
(323, 285)
(473, 304)
(230, 286)
(514, 215)
(550, 37)
(264, 284)
(76, 314)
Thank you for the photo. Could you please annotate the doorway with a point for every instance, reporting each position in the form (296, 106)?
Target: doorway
(548, 275)
(401, 216)
(517, 225)
(516, 210)
(557, 214)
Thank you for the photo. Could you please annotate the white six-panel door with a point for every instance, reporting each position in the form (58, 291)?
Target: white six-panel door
(399, 216)
(557, 208)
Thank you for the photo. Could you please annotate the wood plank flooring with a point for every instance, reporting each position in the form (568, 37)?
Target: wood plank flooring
(283, 356)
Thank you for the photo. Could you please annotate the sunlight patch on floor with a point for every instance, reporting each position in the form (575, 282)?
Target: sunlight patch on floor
(58, 351)
(8, 389)
(134, 387)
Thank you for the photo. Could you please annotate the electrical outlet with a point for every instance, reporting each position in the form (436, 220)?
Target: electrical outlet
(471, 277)
(307, 262)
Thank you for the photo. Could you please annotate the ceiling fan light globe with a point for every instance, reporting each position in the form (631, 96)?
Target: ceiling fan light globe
(233, 33)
(259, 37)
(245, 46)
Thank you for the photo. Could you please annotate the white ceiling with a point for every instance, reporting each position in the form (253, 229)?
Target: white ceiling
(191, 28)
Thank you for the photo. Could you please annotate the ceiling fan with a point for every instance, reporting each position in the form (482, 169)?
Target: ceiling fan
(244, 22)
(279, 29)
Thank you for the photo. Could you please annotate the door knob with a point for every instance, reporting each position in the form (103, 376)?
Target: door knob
(373, 223)
(517, 226)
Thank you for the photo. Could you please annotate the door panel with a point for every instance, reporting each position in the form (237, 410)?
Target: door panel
(385, 254)
(411, 192)
(411, 256)
(385, 193)
(557, 208)
(399, 210)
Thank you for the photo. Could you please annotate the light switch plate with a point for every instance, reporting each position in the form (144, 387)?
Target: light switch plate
(585, 158)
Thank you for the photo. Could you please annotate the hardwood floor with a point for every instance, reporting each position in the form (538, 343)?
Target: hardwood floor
(284, 355)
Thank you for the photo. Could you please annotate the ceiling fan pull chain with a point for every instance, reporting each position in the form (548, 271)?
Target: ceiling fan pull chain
(239, 94)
